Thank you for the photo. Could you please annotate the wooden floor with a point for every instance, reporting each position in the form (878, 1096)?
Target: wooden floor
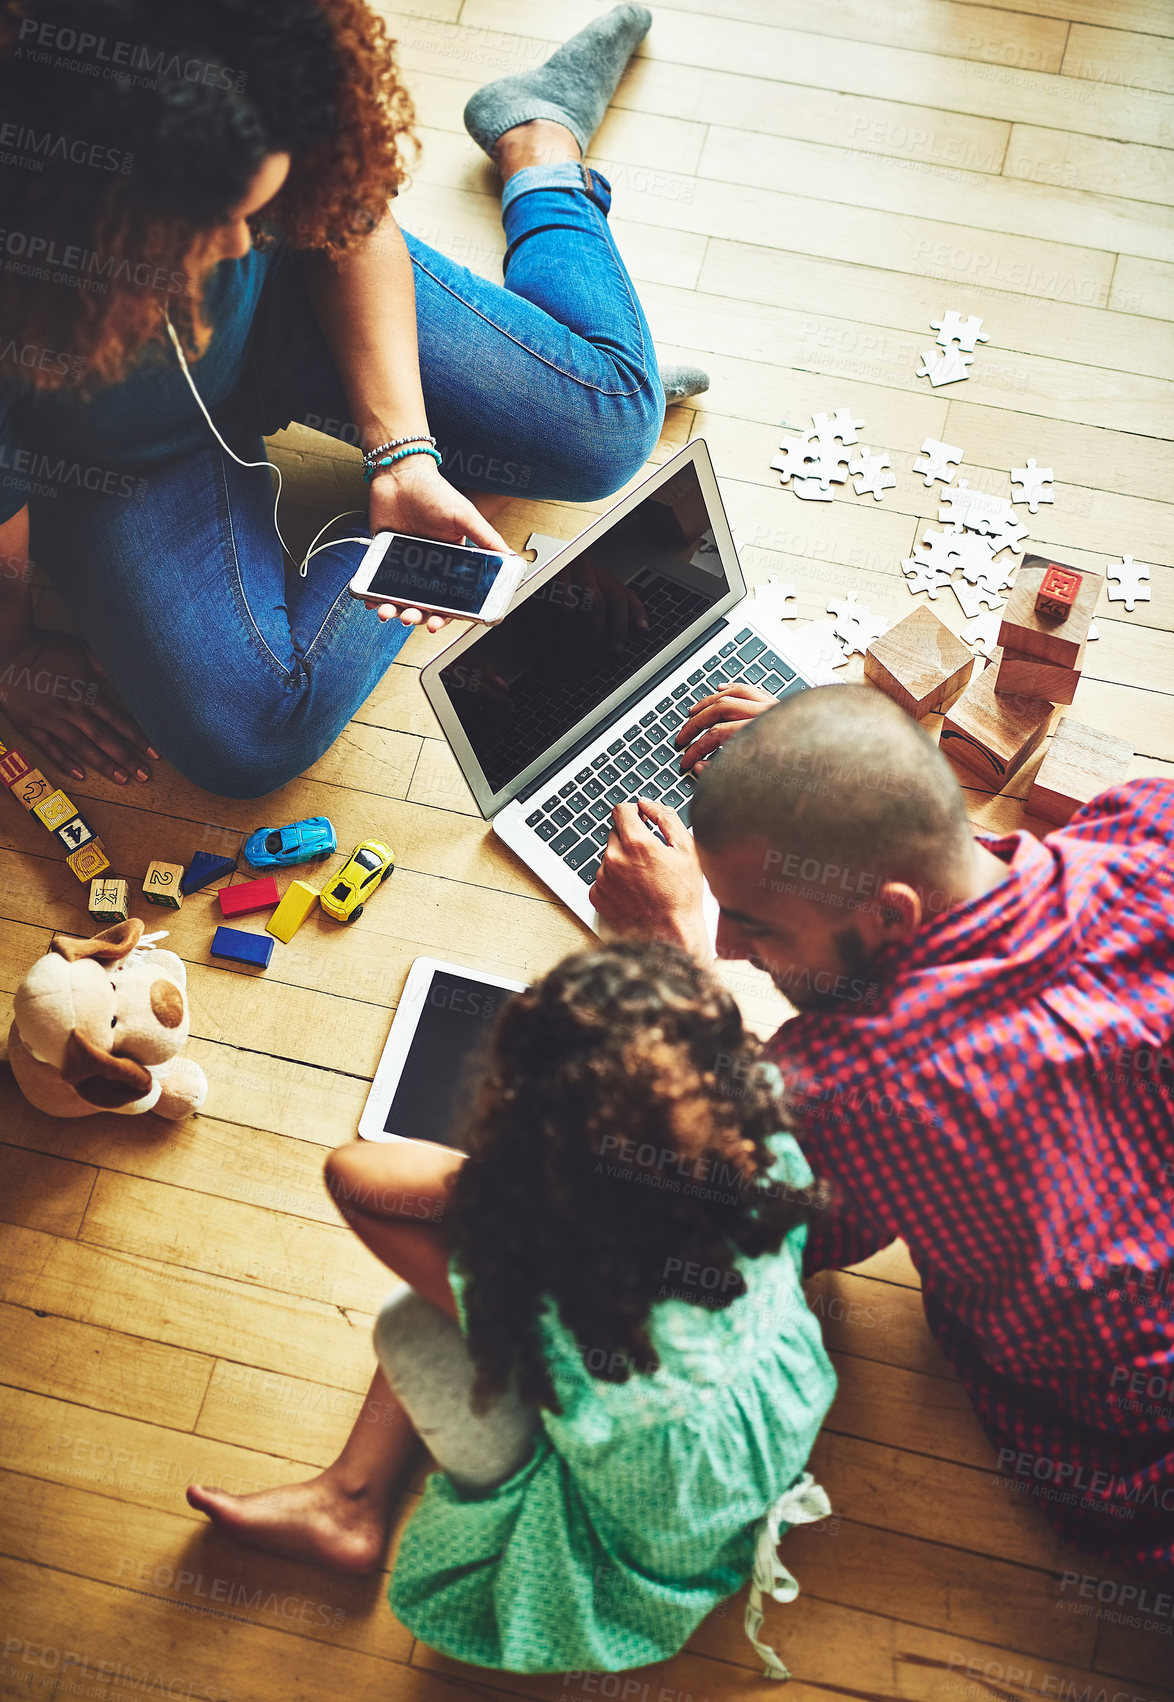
(800, 186)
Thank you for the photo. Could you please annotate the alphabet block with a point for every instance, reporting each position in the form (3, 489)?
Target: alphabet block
(1029, 677)
(53, 810)
(1056, 597)
(248, 896)
(109, 900)
(161, 884)
(91, 860)
(1025, 632)
(1080, 762)
(239, 947)
(918, 663)
(75, 833)
(203, 868)
(296, 904)
(30, 788)
(990, 734)
(12, 766)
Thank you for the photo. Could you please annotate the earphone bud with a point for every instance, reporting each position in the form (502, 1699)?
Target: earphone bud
(171, 332)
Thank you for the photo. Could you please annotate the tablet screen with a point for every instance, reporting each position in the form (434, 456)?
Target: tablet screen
(447, 1054)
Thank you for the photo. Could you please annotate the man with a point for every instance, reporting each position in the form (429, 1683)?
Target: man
(982, 1063)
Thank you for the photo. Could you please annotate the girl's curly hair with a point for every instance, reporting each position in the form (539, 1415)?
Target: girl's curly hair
(143, 125)
(619, 1136)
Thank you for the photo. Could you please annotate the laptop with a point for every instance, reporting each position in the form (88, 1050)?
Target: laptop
(553, 722)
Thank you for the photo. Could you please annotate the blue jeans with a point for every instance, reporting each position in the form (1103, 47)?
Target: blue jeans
(240, 672)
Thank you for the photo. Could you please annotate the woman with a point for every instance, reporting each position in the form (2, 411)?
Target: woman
(210, 179)
(623, 1414)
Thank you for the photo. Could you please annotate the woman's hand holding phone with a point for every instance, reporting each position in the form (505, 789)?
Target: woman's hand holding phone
(414, 497)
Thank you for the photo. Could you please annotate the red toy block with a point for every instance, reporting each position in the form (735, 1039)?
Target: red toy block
(12, 766)
(1056, 597)
(249, 895)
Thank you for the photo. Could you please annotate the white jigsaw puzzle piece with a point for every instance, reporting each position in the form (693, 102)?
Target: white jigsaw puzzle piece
(1129, 583)
(774, 597)
(812, 490)
(816, 650)
(871, 473)
(974, 598)
(1034, 483)
(945, 368)
(935, 461)
(923, 576)
(975, 510)
(939, 550)
(855, 625)
(798, 457)
(1008, 536)
(841, 424)
(953, 329)
(982, 633)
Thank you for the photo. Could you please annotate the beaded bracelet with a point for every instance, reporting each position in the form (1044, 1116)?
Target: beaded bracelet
(369, 455)
(386, 461)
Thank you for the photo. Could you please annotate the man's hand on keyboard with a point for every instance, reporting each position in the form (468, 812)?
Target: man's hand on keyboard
(715, 719)
(647, 888)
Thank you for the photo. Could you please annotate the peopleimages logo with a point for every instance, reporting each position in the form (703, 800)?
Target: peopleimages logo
(45, 42)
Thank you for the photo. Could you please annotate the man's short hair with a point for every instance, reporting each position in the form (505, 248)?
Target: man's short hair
(842, 776)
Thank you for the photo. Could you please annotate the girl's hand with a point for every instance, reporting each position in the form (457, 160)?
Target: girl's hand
(414, 497)
(57, 694)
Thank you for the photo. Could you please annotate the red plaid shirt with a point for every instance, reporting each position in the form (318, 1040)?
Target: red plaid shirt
(1002, 1098)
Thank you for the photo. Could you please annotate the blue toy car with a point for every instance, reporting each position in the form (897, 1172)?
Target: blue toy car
(300, 842)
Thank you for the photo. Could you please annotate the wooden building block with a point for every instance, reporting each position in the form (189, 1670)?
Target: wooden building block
(31, 787)
(297, 902)
(1029, 633)
(239, 947)
(918, 663)
(162, 884)
(55, 809)
(992, 734)
(1029, 677)
(203, 868)
(109, 900)
(1080, 762)
(91, 860)
(248, 896)
(12, 766)
(75, 833)
(1056, 597)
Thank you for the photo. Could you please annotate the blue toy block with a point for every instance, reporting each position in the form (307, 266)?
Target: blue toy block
(239, 947)
(204, 868)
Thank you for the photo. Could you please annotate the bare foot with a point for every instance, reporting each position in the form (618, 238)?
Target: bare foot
(317, 1521)
(540, 142)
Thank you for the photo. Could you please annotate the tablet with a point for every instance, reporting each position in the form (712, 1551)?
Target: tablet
(434, 1052)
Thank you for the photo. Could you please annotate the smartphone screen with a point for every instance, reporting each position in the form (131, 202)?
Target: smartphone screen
(448, 576)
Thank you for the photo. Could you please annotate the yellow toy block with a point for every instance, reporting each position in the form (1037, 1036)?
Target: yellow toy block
(31, 787)
(54, 809)
(89, 861)
(296, 904)
(161, 884)
(109, 899)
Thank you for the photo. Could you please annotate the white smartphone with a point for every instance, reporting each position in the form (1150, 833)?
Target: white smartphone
(438, 579)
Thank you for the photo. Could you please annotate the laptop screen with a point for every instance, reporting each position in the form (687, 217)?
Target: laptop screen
(584, 633)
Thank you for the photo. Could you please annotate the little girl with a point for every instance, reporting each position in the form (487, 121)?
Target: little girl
(603, 1340)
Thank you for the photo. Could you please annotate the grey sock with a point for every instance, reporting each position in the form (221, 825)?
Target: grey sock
(572, 88)
(681, 382)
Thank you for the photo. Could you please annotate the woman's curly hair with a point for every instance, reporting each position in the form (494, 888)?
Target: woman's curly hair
(619, 1136)
(144, 124)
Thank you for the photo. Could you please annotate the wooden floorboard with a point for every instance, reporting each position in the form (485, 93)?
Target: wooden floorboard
(798, 190)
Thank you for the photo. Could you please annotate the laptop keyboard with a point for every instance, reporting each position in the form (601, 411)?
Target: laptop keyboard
(643, 762)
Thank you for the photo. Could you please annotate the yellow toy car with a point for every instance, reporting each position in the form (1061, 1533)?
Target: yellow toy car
(367, 865)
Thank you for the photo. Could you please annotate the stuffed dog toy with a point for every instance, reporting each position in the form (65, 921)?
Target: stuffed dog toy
(98, 1025)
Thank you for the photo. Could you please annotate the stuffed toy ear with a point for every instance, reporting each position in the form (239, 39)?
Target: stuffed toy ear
(109, 946)
(101, 1079)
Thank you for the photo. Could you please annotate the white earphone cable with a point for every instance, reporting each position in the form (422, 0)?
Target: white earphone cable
(171, 332)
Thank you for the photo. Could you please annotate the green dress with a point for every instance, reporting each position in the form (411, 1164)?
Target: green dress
(645, 1503)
